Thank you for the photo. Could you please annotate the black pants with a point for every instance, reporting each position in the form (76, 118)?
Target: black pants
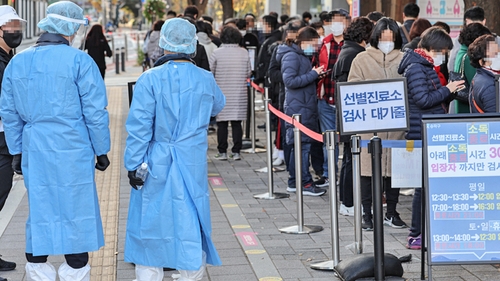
(346, 188)
(317, 157)
(391, 195)
(103, 71)
(222, 135)
(74, 260)
(6, 174)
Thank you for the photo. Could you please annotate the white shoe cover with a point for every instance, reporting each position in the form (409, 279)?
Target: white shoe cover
(40, 271)
(67, 273)
(148, 273)
(192, 275)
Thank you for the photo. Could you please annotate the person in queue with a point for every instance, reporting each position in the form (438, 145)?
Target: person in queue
(169, 223)
(426, 95)
(299, 78)
(462, 61)
(327, 57)
(356, 37)
(484, 55)
(230, 65)
(379, 61)
(58, 131)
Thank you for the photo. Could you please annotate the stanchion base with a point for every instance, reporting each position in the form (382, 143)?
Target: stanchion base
(252, 151)
(264, 169)
(325, 265)
(271, 196)
(387, 278)
(305, 229)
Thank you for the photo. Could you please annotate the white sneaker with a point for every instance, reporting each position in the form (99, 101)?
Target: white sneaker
(278, 162)
(346, 211)
(275, 152)
(407, 191)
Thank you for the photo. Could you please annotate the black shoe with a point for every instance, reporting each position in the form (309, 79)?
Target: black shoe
(367, 223)
(7, 265)
(394, 221)
(3, 279)
(263, 126)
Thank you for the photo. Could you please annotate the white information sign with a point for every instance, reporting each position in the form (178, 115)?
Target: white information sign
(406, 167)
(372, 106)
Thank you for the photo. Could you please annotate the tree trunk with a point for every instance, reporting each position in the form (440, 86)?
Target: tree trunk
(491, 12)
(200, 4)
(227, 9)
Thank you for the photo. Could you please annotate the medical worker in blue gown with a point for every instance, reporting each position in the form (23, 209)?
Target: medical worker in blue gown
(169, 217)
(53, 107)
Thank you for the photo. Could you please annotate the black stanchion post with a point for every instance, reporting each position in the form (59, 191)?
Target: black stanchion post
(117, 61)
(423, 230)
(356, 184)
(375, 149)
(247, 123)
(123, 59)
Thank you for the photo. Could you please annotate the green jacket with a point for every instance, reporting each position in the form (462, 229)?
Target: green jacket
(469, 72)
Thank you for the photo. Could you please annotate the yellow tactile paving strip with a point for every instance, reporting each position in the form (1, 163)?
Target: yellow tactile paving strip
(103, 262)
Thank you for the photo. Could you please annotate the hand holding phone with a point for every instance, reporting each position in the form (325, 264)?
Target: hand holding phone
(325, 72)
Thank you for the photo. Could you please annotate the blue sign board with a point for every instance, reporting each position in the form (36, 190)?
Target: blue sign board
(462, 176)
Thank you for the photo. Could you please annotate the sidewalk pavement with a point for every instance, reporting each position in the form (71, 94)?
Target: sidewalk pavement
(245, 230)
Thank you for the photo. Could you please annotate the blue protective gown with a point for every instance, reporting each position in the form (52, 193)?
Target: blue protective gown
(53, 106)
(169, 218)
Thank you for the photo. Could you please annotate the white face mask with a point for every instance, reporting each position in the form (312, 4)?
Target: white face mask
(386, 46)
(495, 62)
(337, 28)
(438, 59)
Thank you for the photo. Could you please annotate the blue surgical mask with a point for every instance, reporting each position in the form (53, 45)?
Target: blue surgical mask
(309, 50)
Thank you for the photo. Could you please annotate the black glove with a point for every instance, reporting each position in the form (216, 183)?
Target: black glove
(134, 181)
(16, 164)
(102, 162)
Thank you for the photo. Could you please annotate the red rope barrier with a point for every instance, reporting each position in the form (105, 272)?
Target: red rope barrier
(292, 121)
(255, 86)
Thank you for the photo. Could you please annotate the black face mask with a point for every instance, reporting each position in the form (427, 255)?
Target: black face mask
(13, 40)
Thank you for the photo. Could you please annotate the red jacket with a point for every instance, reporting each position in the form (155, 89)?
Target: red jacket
(327, 58)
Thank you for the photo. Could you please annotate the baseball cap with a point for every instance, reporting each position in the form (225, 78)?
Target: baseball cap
(341, 12)
(7, 13)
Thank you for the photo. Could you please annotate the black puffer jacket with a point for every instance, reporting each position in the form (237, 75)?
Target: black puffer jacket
(426, 95)
(300, 87)
(483, 92)
(341, 69)
(4, 60)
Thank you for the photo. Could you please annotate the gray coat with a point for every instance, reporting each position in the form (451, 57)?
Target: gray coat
(230, 65)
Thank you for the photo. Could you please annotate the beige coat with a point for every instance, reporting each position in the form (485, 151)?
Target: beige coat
(230, 65)
(372, 64)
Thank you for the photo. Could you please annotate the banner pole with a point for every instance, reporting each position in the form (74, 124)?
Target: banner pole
(375, 149)
(356, 183)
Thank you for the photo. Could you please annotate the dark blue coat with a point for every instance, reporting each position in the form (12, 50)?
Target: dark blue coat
(426, 95)
(300, 88)
(483, 90)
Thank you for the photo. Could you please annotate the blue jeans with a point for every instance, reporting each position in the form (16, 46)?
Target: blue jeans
(306, 175)
(416, 213)
(327, 121)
